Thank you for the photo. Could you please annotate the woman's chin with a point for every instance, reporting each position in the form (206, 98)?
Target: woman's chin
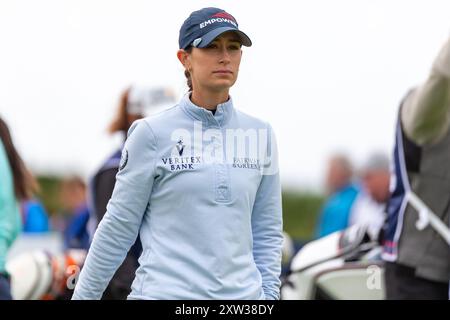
(220, 85)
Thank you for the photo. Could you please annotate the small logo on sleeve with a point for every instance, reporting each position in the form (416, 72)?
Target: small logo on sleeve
(123, 159)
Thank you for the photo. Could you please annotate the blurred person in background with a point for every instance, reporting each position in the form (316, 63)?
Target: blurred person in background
(210, 230)
(73, 200)
(418, 261)
(135, 103)
(369, 208)
(16, 184)
(35, 218)
(341, 190)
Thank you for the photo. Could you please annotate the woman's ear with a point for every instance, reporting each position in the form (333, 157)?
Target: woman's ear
(183, 57)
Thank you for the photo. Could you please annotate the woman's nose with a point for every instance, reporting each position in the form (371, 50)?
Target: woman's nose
(224, 56)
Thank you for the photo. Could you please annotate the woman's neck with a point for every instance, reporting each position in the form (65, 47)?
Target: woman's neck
(209, 100)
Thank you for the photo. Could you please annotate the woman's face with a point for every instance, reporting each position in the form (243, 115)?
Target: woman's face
(215, 67)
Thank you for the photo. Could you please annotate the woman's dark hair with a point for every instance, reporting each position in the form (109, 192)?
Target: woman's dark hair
(120, 122)
(123, 118)
(25, 185)
(186, 72)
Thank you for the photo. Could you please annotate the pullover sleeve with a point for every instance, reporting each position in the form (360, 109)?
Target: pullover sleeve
(119, 227)
(267, 224)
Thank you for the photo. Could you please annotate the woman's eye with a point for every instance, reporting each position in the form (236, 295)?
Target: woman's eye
(212, 46)
(234, 47)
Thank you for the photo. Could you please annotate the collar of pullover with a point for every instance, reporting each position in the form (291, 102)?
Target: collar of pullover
(221, 117)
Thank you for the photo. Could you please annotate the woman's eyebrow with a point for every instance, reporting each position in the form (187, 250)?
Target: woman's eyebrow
(231, 40)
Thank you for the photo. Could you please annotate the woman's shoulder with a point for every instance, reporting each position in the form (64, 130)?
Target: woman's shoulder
(154, 121)
(162, 117)
(246, 119)
(5, 168)
(156, 125)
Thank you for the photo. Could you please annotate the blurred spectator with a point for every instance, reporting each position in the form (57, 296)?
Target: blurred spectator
(34, 217)
(342, 192)
(16, 184)
(370, 205)
(103, 181)
(73, 198)
(418, 261)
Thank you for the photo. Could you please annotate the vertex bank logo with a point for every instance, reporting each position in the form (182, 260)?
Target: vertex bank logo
(181, 163)
(178, 162)
(219, 18)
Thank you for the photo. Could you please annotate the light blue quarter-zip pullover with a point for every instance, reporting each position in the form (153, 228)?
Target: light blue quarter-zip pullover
(208, 210)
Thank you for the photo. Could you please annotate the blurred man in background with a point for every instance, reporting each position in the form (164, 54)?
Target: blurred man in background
(418, 261)
(369, 207)
(342, 192)
(73, 198)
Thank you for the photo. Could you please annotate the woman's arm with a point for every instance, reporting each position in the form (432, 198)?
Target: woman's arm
(425, 113)
(267, 227)
(119, 227)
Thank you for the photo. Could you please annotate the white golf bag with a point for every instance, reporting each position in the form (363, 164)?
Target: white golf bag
(342, 265)
(40, 275)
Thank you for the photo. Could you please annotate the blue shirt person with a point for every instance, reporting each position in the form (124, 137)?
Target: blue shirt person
(335, 213)
(34, 217)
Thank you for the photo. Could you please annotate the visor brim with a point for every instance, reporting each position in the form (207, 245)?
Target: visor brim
(213, 34)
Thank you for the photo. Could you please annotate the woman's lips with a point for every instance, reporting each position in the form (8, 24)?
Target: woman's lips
(223, 72)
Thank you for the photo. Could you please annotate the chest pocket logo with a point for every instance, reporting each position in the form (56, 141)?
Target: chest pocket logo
(247, 163)
(181, 163)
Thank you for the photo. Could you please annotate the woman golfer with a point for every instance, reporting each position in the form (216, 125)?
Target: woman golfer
(199, 183)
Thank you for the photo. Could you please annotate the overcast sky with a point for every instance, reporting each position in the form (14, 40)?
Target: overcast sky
(328, 75)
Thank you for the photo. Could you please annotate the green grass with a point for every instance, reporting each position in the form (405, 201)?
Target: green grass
(300, 211)
(49, 193)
